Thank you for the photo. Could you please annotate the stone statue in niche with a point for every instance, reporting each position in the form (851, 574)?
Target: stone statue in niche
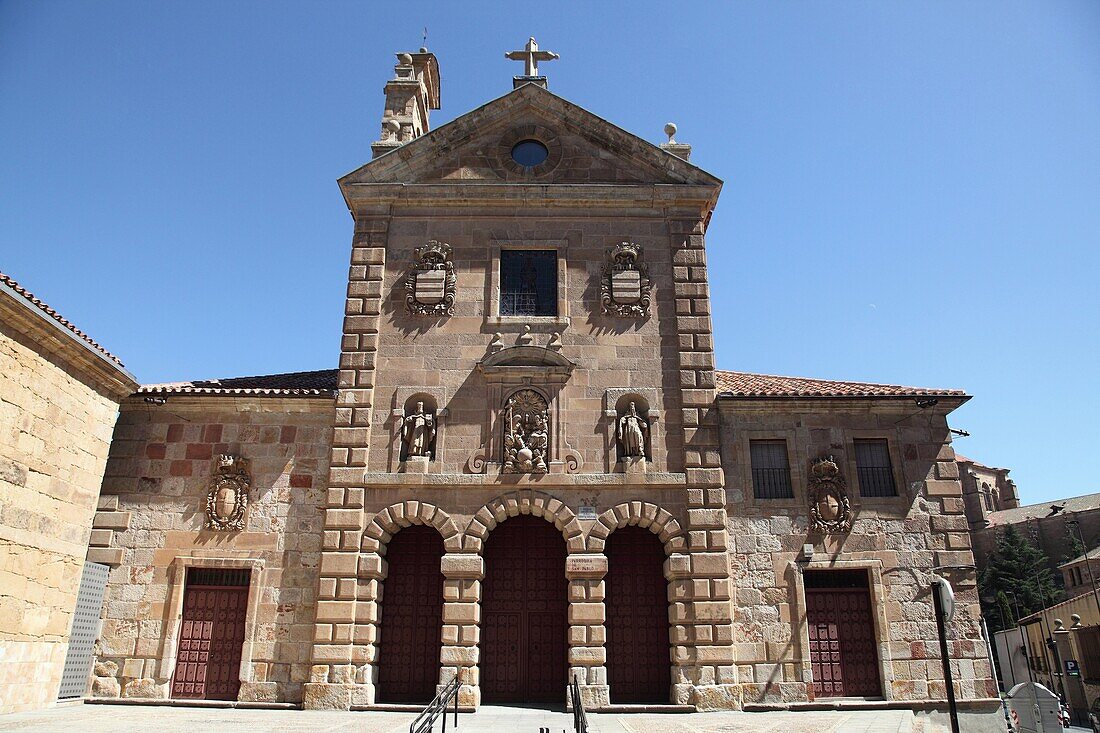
(418, 433)
(526, 433)
(227, 500)
(430, 286)
(633, 434)
(830, 508)
(624, 286)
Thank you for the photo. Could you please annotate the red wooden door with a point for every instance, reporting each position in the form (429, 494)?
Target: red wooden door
(843, 652)
(525, 598)
(208, 664)
(411, 629)
(638, 660)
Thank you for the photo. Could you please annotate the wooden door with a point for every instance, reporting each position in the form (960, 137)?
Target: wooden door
(636, 599)
(843, 651)
(411, 628)
(525, 599)
(208, 664)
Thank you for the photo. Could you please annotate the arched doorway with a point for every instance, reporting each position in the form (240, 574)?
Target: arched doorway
(410, 630)
(636, 600)
(525, 600)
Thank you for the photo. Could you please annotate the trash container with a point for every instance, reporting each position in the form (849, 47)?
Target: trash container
(1033, 708)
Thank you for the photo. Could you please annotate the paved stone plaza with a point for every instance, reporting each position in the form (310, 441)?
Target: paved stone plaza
(163, 719)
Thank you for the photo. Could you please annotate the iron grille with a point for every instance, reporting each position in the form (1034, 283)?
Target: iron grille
(835, 579)
(876, 475)
(528, 283)
(771, 472)
(218, 576)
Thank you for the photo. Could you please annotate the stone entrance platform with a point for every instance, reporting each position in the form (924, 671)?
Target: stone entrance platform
(167, 719)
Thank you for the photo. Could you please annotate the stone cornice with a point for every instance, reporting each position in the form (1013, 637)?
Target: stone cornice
(361, 477)
(693, 200)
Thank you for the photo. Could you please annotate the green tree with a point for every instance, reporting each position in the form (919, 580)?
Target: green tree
(1017, 579)
(1074, 547)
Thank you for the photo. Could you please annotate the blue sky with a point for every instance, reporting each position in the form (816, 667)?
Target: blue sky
(912, 189)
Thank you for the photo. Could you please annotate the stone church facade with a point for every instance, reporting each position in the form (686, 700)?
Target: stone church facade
(527, 470)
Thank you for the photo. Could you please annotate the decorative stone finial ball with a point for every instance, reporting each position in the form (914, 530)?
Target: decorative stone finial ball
(670, 130)
(393, 126)
(423, 49)
(404, 59)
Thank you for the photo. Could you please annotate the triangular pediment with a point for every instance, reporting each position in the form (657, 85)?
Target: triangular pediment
(582, 149)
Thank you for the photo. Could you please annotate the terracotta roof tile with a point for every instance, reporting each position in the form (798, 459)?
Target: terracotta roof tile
(56, 316)
(292, 384)
(744, 384)
(1068, 506)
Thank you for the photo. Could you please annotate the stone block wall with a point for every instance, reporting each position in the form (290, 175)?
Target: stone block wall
(151, 528)
(898, 540)
(55, 428)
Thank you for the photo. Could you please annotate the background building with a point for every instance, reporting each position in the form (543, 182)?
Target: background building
(59, 395)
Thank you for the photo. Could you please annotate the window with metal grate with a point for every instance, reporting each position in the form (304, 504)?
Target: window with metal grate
(771, 470)
(528, 282)
(876, 475)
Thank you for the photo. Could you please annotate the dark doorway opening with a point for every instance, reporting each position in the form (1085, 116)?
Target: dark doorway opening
(525, 600)
(411, 627)
(843, 646)
(636, 599)
(208, 664)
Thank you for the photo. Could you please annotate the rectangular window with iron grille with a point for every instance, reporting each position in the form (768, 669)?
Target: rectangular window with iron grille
(528, 282)
(771, 471)
(876, 475)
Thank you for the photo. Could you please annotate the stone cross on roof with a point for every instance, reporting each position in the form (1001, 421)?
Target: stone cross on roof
(531, 56)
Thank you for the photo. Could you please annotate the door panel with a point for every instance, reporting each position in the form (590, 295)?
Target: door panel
(843, 652)
(523, 655)
(411, 628)
(208, 662)
(638, 659)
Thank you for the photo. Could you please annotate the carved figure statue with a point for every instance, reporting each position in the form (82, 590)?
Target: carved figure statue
(418, 432)
(526, 433)
(633, 430)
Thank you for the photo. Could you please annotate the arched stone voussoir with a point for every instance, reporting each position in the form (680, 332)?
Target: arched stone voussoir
(639, 513)
(393, 518)
(515, 503)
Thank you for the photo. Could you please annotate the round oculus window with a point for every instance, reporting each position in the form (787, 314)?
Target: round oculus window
(529, 153)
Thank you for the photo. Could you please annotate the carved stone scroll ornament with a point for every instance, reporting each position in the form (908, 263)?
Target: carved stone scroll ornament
(526, 433)
(830, 508)
(430, 285)
(624, 286)
(227, 500)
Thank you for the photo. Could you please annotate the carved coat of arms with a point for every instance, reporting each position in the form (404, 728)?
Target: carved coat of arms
(227, 500)
(430, 286)
(526, 433)
(624, 286)
(830, 508)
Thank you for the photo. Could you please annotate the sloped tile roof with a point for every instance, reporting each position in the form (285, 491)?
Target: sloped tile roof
(744, 384)
(292, 384)
(1039, 511)
(29, 296)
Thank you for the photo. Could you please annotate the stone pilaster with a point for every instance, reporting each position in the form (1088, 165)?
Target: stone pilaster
(347, 602)
(587, 632)
(463, 574)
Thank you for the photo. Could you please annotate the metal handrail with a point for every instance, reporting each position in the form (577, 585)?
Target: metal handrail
(580, 720)
(426, 720)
